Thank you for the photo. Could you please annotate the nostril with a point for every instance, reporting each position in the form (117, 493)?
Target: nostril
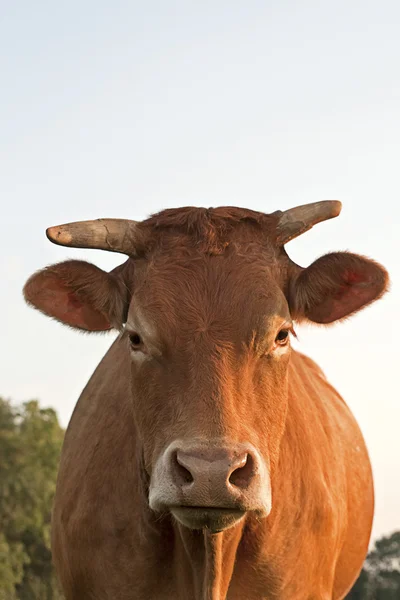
(182, 474)
(242, 476)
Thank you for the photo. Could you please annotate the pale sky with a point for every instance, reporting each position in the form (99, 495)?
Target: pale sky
(121, 109)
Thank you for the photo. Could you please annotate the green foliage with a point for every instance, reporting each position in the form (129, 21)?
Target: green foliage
(380, 577)
(30, 443)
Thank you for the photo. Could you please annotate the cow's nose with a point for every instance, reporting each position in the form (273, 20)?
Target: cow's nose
(211, 483)
(221, 469)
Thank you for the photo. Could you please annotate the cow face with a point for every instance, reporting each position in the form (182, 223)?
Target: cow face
(206, 311)
(209, 342)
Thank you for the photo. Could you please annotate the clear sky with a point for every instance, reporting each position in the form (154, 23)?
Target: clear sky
(121, 109)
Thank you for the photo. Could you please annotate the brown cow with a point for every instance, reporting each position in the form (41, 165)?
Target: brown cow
(205, 459)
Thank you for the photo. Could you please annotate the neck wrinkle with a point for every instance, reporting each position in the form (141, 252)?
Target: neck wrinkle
(205, 561)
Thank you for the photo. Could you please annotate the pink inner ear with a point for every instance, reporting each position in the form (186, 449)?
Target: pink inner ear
(57, 301)
(353, 278)
(350, 279)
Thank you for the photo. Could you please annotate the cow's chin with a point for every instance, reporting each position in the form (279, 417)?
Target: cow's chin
(214, 519)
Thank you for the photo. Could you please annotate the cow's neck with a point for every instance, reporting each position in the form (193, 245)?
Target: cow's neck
(205, 561)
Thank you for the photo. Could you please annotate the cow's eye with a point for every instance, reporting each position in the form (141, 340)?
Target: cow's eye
(282, 338)
(135, 341)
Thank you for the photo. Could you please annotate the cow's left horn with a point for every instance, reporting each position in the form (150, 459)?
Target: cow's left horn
(295, 221)
(115, 235)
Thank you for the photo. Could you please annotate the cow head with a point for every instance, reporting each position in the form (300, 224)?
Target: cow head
(205, 305)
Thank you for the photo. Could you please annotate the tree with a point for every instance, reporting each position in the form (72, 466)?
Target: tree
(30, 443)
(380, 577)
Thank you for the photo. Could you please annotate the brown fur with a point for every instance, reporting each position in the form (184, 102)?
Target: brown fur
(216, 290)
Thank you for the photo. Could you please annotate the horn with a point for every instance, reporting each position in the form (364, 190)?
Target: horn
(295, 221)
(114, 235)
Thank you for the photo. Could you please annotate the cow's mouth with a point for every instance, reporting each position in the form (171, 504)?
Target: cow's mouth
(215, 519)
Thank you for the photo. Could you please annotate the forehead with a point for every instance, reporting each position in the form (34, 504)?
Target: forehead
(191, 290)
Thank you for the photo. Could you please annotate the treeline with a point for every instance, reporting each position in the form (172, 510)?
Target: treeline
(30, 443)
(380, 577)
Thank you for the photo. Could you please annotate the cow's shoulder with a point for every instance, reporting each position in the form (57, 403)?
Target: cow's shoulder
(304, 363)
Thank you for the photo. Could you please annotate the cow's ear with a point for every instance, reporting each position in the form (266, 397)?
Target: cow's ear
(336, 286)
(78, 294)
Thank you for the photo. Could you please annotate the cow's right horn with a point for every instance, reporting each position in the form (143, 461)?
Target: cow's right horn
(114, 235)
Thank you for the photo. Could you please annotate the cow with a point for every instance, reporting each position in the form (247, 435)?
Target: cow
(206, 459)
